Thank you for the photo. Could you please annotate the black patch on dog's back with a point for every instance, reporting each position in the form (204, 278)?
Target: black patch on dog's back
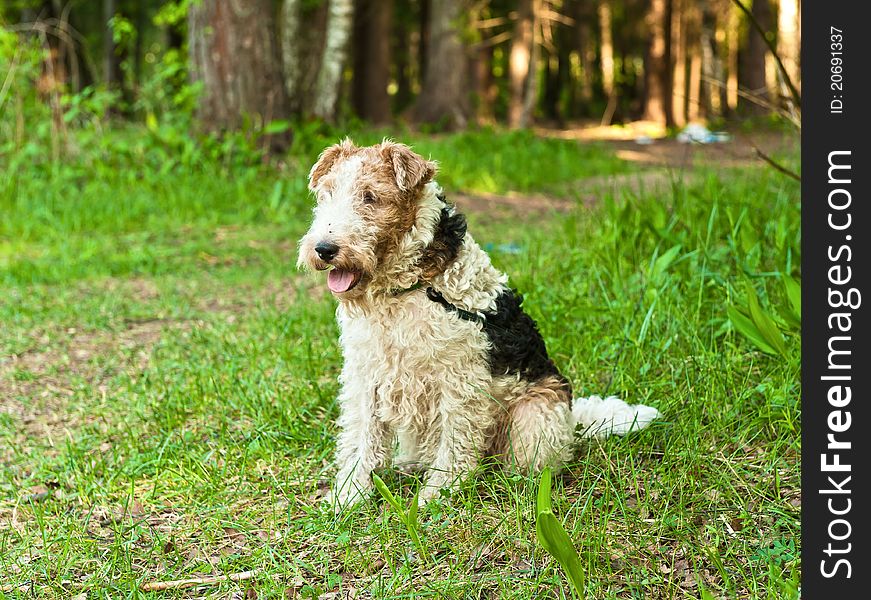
(516, 343)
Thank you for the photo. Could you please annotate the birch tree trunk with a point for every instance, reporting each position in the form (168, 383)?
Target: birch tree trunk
(303, 32)
(339, 25)
(233, 53)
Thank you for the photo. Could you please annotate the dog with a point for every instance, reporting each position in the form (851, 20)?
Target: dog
(438, 353)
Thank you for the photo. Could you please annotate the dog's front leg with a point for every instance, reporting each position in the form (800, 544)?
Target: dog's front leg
(361, 447)
(461, 438)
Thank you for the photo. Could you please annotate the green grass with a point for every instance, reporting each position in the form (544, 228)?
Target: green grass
(168, 383)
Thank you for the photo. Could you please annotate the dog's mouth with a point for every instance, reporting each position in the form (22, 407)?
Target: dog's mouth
(340, 281)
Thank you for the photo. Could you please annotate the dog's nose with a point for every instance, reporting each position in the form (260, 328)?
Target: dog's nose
(327, 251)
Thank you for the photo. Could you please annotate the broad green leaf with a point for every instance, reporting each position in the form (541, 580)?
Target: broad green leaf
(706, 595)
(746, 327)
(553, 537)
(387, 494)
(764, 322)
(789, 318)
(793, 294)
(543, 501)
(412, 510)
(664, 262)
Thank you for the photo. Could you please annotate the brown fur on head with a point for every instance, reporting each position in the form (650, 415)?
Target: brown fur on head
(327, 159)
(367, 203)
(410, 170)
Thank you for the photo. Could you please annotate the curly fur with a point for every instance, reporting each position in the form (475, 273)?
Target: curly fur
(450, 390)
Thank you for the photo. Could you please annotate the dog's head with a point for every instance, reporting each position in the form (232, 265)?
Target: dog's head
(368, 200)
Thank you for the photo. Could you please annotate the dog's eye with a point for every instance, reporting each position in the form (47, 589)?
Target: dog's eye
(369, 197)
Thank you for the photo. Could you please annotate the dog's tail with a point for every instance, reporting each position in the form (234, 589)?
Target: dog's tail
(597, 417)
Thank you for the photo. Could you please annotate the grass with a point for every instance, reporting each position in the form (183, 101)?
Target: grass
(168, 383)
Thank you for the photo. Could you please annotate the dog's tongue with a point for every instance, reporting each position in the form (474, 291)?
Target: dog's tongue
(340, 281)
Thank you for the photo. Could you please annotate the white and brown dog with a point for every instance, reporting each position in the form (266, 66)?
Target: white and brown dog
(437, 350)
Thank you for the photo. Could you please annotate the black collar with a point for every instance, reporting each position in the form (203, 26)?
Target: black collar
(451, 225)
(436, 296)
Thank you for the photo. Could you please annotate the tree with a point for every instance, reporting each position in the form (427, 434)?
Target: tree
(713, 94)
(339, 25)
(584, 45)
(657, 69)
(751, 75)
(233, 53)
(789, 38)
(444, 95)
(371, 62)
(678, 49)
(607, 60)
(521, 63)
(302, 32)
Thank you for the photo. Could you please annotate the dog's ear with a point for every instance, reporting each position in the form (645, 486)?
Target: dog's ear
(327, 159)
(409, 168)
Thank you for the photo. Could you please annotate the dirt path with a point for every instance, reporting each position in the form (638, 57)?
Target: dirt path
(660, 162)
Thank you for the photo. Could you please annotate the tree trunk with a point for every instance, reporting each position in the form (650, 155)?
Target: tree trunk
(371, 60)
(607, 48)
(607, 61)
(714, 86)
(486, 87)
(751, 76)
(339, 25)
(657, 69)
(303, 33)
(789, 41)
(233, 53)
(585, 46)
(444, 96)
(481, 73)
(520, 61)
(731, 32)
(679, 66)
(693, 53)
